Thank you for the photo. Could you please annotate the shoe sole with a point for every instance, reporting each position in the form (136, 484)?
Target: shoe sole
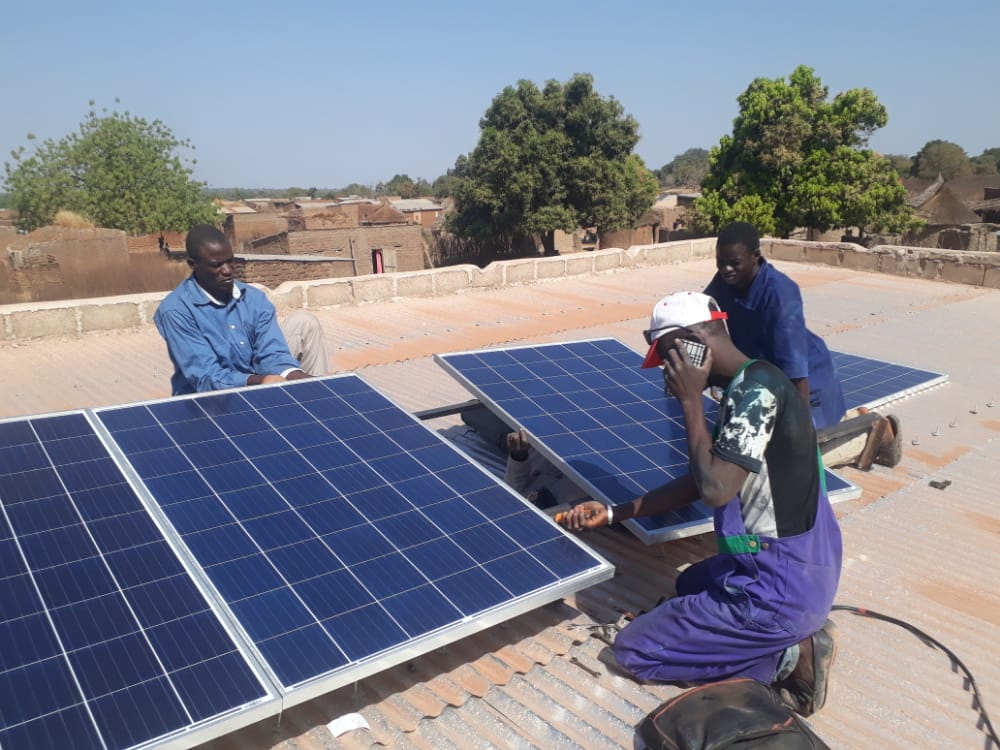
(876, 436)
(824, 654)
(893, 453)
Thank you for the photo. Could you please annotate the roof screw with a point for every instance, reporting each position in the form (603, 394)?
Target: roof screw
(989, 403)
(915, 441)
(973, 410)
(937, 431)
(954, 422)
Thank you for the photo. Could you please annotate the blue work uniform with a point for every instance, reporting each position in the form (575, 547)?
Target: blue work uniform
(767, 322)
(780, 551)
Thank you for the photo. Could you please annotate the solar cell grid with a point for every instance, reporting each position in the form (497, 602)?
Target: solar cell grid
(107, 642)
(336, 527)
(591, 409)
(872, 383)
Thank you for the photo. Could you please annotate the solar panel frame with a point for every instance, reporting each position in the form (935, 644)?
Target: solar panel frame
(509, 404)
(354, 433)
(92, 513)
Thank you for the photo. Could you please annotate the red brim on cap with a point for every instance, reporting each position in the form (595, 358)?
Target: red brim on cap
(653, 358)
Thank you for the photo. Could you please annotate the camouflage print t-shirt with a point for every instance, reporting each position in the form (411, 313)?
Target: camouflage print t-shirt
(765, 427)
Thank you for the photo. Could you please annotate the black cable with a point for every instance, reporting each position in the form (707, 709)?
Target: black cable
(928, 640)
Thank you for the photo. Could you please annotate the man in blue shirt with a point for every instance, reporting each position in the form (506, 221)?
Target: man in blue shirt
(224, 334)
(766, 321)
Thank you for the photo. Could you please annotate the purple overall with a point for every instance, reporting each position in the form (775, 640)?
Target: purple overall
(736, 613)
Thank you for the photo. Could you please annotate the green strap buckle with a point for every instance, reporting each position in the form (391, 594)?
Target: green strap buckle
(739, 545)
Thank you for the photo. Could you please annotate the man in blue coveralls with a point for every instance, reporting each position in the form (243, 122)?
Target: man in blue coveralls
(759, 608)
(225, 334)
(766, 320)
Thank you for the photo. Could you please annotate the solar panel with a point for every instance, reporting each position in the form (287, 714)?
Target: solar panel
(106, 641)
(343, 535)
(873, 382)
(592, 411)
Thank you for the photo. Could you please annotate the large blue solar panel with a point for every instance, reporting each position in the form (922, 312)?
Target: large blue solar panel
(105, 639)
(591, 409)
(343, 535)
(872, 382)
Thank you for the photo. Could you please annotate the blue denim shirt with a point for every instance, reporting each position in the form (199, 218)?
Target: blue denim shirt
(769, 323)
(215, 345)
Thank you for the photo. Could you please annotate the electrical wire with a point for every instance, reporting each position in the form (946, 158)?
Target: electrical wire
(934, 643)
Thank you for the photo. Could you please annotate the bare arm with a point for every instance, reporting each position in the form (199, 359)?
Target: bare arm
(666, 498)
(715, 480)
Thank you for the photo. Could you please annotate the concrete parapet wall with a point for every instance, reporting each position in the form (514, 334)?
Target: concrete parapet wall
(74, 317)
(78, 317)
(957, 266)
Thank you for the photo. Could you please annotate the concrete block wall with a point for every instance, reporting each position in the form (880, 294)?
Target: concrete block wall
(272, 244)
(405, 239)
(959, 266)
(77, 317)
(272, 272)
(240, 228)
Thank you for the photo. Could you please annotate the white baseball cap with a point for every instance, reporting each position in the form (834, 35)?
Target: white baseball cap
(680, 310)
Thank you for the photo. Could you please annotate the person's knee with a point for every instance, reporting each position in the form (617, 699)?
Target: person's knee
(303, 320)
(304, 335)
(634, 658)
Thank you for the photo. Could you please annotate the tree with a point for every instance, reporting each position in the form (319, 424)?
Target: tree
(556, 158)
(795, 159)
(987, 162)
(687, 169)
(119, 171)
(446, 185)
(404, 186)
(900, 162)
(943, 158)
(356, 188)
(401, 185)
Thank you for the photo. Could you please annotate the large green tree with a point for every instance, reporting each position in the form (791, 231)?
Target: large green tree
(943, 158)
(404, 186)
(797, 159)
(900, 162)
(687, 169)
(553, 158)
(118, 170)
(987, 162)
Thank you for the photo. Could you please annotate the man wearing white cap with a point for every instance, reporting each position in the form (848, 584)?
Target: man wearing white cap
(759, 608)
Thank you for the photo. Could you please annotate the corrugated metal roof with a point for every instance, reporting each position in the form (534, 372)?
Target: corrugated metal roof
(911, 551)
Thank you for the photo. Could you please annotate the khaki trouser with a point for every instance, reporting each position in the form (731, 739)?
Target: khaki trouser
(306, 342)
(846, 447)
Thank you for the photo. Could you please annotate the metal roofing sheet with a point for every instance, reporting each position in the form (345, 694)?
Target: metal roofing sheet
(913, 551)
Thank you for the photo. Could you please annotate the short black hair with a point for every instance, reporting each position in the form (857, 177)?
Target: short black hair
(201, 235)
(740, 233)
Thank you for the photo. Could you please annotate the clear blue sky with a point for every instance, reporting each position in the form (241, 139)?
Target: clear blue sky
(324, 94)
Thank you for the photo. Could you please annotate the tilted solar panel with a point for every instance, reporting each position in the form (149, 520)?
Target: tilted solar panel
(591, 410)
(872, 382)
(343, 535)
(105, 639)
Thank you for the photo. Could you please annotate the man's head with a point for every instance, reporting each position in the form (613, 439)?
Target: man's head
(210, 257)
(737, 254)
(688, 316)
